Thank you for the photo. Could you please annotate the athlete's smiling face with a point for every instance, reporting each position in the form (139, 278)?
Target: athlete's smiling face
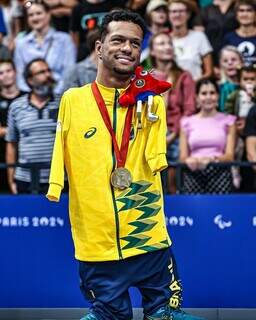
(120, 50)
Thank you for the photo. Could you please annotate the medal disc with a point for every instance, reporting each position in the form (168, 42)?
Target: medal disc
(121, 178)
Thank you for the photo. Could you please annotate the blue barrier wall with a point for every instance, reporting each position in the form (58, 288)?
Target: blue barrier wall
(214, 244)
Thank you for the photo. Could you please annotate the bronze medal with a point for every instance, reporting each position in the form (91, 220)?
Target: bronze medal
(121, 178)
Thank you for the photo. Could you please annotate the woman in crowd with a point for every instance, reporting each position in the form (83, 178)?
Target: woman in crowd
(207, 137)
(180, 100)
(230, 63)
(192, 48)
(56, 47)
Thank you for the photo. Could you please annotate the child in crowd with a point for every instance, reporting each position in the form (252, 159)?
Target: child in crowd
(239, 103)
(230, 62)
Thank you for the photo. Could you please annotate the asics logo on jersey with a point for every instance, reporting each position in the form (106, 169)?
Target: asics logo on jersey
(91, 132)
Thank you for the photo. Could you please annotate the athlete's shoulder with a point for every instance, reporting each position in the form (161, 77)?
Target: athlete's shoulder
(77, 92)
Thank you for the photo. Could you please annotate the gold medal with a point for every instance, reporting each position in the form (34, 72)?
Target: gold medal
(121, 178)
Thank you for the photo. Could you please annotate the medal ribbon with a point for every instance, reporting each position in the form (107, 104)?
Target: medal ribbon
(121, 153)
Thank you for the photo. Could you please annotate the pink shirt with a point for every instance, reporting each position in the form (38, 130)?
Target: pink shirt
(207, 137)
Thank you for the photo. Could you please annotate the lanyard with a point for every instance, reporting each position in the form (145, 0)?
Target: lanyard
(121, 153)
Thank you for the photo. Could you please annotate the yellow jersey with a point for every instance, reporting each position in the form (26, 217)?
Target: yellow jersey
(107, 223)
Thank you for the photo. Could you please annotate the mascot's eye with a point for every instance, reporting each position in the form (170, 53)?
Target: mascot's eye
(143, 73)
(140, 83)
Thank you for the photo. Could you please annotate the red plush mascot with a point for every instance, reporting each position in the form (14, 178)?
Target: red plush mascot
(142, 88)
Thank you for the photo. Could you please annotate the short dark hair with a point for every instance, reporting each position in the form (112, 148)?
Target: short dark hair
(206, 81)
(92, 36)
(246, 68)
(27, 71)
(121, 15)
(9, 61)
(251, 3)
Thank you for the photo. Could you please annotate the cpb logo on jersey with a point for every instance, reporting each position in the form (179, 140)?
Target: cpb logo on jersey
(91, 132)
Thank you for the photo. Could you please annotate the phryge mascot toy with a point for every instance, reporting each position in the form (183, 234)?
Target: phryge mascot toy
(142, 88)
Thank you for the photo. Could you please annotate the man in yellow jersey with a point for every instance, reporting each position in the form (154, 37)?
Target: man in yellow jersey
(115, 198)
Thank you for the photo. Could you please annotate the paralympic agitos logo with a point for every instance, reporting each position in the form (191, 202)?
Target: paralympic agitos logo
(91, 132)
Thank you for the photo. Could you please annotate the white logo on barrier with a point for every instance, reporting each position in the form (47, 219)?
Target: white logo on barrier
(34, 222)
(181, 221)
(254, 221)
(221, 223)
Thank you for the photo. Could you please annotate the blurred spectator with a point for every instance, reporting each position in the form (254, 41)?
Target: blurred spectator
(205, 3)
(157, 18)
(2, 23)
(244, 37)
(180, 100)
(61, 11)
(31, 128)
(12, 12)
(138, 6)
(192, 48)
(208, 136)
(85, 71)
(8, 92)
(230, 63)
(250, 135)
(4, 52)
(239, 103)
(218, 19)
(56, 47)
(87, 15)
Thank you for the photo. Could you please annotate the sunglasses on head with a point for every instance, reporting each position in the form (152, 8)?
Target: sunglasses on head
(29, 3)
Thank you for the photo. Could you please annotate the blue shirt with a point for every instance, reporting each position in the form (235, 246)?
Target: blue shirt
(2, 24)
(57, 49)
(245, 45)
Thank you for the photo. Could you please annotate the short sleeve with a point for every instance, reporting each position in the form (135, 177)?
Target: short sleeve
(155, 153)
(205, 47)
(184, 124)
(12, 134)
(230, 120)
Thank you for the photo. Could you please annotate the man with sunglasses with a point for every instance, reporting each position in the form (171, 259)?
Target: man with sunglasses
(31, 128)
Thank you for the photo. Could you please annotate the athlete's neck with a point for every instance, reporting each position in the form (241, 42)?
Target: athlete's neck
(112, 81)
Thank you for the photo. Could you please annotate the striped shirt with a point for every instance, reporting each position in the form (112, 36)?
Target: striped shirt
(34, 131)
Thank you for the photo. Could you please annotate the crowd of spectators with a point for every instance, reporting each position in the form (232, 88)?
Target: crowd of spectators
(206, 48)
